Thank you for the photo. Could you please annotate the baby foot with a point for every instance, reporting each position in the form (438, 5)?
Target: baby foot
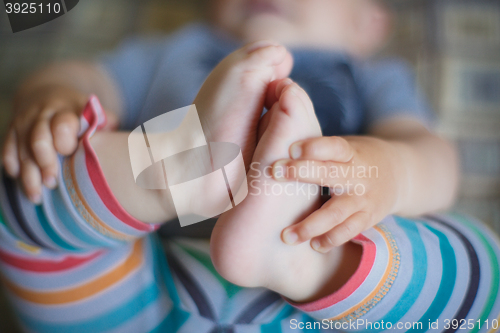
(246, 247)
(229, 105)
(231, 100)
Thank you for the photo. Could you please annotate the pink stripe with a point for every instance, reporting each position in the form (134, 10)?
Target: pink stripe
(98, 179)
(46, 265)
(364, 268)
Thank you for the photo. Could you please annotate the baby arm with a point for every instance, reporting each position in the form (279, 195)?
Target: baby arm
(401, 169)
(46, 108)
(151, 206)
(96, 203)
(84, 253)
(430, 163)
(398, 273)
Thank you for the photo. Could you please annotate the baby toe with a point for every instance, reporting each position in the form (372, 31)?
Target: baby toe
(292, 101)
(295, 102)
(265, 58)
(265, 54)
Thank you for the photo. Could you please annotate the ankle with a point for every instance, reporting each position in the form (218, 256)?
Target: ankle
(322, 275)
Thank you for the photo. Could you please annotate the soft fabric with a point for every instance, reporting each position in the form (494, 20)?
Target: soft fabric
(80, 263)
(442, 269)
(158, 74)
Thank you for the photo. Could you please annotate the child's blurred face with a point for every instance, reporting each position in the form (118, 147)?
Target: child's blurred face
(340, 24)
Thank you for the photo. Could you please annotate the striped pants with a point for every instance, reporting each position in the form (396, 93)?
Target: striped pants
(80, 263)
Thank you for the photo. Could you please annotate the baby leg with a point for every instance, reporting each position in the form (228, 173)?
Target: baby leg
(246, 245)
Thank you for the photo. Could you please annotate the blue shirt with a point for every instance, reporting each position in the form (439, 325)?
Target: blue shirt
(164, 73)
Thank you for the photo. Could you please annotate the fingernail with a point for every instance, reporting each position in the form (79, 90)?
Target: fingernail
(51, 182)
(293, 90)
(36, 198)
(296, 151)
(63, 129)
(285, 83)
(290, 237)
(11, 167)
(259, 45)
(316, 245)
(279, 170)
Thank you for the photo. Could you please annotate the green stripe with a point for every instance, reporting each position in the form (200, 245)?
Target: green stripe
(206, 261)
(161, 269)
(448, 279)
(173, 322)
(275, 325)
(495, 271)
(177, 317)
(50, 232)
(419, 273)
(103, 322)
(2, 221)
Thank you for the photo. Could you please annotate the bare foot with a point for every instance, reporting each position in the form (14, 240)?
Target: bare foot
(229, 104)
(246, 247)
(231, 101)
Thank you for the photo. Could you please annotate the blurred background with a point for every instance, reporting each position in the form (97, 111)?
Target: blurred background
(454, 46)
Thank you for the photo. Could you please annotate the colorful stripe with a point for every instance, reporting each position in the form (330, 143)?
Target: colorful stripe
(359, 276)
(419, 272)
(104, 322)
(495, 277)
(383, 286)
(45, 265)
(10, 188)
(54, 237)
(447, 280)
(123, 281)
(474, 274)
(69, 222)
(83, 208)
(420, 294)
(96, 118)
(104, 192)
(84, 291)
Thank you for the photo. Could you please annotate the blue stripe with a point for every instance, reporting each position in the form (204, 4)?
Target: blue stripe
(171, 324)
(3, 222)
(70, 222)
(310, 321)
(162, 271)
(104, 322)
(275, 325)
(448, 279)
(474, 274)
(42, 218)
(419, 273)
(11, 189)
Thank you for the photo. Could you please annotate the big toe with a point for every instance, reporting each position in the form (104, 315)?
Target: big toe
(266, 59)
(267, 53)
(291, 119)
(231, 100)
(294, 102)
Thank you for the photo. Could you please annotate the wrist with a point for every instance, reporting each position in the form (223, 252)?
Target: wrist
(43, 93)
(401, 170)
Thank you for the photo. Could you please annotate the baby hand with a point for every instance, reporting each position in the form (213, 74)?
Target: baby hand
(46, 122)
(365, 177)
